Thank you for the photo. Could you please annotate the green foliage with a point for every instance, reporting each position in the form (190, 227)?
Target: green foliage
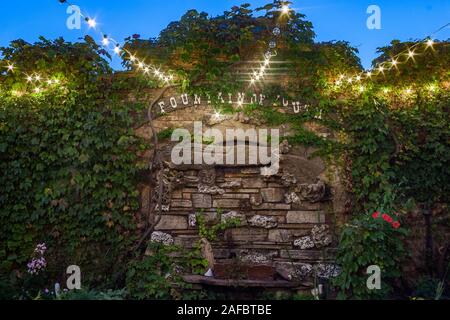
(211, 232)
(68, 163)
(364, 242)
(93, 295)
(151, 277)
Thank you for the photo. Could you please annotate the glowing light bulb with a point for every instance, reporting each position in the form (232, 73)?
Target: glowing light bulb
(29, 78)
(432, 87)
(350, 80)
(252, 81)
(362, 88)
(266, 62)
(341, 77)
(10, 67)
(430, 43)
(411, 54)
(381, 69)
(117, 50)
(91, 22)
(105, 41)
(285, 9)
(358, 78)
(385, 90)
(37, 90)
(369, 74)
(132, 58)
(394, 62)
(338, 82)
(141, 65)
(408, 91)
(146, 69)
(37, 78)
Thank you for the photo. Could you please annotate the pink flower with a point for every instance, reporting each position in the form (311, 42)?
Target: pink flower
(376, 215)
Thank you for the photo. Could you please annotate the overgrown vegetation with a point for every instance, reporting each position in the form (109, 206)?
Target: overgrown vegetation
(69, 162)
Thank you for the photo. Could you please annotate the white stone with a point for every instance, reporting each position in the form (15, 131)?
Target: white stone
(263, 222)
(161, 237)
(304, 243)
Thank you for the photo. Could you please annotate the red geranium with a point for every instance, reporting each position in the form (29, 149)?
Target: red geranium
(376, 215)
(387, 218)
(396, 225)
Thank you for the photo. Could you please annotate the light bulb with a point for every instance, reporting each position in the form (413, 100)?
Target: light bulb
(92, 23)
(369, 74)
(105, 41)
(10, 67)
(117, 50)
(285, 9)
(430, 43)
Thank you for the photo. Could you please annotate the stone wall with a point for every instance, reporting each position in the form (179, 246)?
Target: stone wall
(287, 219)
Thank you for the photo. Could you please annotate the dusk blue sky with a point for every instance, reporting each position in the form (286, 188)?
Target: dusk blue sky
(332, 19)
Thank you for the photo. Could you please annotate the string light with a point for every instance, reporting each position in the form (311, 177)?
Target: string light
(10, 67)
(217, 115)
(105, 41)
(285, 9)
(399, 58)
(91, 22)
(117, 50)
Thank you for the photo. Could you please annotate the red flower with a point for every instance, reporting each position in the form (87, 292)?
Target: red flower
(375, 215)
(387, 218)
(396, 225)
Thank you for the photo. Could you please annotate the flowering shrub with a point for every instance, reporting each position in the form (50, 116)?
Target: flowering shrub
(387, 218)
(38, 262)
(370, 239)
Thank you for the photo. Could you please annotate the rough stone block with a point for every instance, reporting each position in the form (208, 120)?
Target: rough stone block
(181, 204)
(273, 206)
(226, 203)
(247, 234)
(280, 235)
(201, 200)
(169, 222)
(272, 195)
(253, 183)
(305, 217)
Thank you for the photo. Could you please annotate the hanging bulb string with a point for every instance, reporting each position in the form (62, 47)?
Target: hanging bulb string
(259, 75)
(145, 68)
(400, 58)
